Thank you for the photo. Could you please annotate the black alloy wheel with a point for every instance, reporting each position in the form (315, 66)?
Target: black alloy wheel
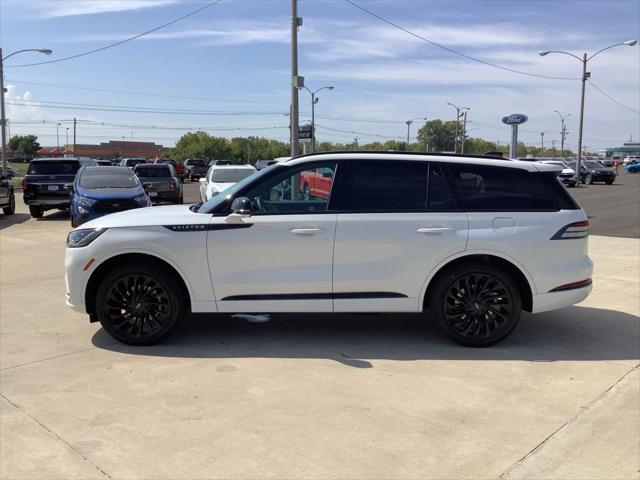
(588, 179)
(476, 305)
(139, 304)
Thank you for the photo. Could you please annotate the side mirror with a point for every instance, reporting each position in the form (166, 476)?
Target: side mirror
(203, 180)
(241, 206)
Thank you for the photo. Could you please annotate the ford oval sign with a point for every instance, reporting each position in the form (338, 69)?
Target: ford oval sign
(514, 119)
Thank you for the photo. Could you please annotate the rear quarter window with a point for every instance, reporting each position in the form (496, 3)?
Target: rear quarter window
(487, 188)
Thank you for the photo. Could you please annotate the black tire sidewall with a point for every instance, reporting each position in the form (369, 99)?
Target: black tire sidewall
(161, 276)
(36, 211)
(453, 274)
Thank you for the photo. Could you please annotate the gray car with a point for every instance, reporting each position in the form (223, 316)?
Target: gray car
(160, 181)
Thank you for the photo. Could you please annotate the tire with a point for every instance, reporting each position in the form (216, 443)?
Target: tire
(609, 182)
(11, 209)
(73, 221)
(571, 185)
(181, 200)
(36, 211)
(476, 320)
(128, 289)
(190, 177)
(588, 179)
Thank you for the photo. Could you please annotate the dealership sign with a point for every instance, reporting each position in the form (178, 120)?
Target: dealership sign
(514, 119)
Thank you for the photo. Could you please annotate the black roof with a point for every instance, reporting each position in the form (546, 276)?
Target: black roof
(394, 152)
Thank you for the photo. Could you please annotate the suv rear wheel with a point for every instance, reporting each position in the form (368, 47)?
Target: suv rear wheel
(139, 304)
(476, 305)
(36, 211)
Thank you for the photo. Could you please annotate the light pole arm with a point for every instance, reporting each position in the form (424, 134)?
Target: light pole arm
(564, 53)
(606, 48)
(24, 50)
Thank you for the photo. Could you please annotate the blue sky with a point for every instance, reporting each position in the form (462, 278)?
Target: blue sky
(233, 58)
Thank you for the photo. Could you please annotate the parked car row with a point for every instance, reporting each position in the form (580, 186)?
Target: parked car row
(219, 177)
(591, 170)
(89, 190)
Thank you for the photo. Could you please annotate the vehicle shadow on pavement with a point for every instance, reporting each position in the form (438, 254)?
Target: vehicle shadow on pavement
(15, 219)
(57, 216)
(571, 334)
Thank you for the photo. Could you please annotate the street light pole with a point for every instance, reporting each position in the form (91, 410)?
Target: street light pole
(295, 82)
(409, 122)
(542, 142)
(314, 100)
(3, 119)
(57, 137)
(585, 76)
(464, 131)
(67, 142)
(455, 141)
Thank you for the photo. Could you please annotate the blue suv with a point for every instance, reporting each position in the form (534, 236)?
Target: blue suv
(97, 191)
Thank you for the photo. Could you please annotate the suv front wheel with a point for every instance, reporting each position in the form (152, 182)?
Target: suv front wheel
(139, 304)
(476, 305)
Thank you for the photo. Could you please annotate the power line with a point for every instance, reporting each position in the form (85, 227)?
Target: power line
(210, 4)
(451, 50)
(613, 99)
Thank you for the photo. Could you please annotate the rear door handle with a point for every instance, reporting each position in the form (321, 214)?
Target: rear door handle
(434, 230)
(306, 231)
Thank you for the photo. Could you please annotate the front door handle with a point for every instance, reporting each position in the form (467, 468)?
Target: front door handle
(434, 230)
(306, 231)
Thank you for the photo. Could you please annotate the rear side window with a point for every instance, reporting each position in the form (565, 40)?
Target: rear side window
(63, 167)
(484, 188)
(441, 198)
(385, 186)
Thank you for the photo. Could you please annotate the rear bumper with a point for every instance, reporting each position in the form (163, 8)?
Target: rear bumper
(165, 197)
(47, 202)
(554, 300)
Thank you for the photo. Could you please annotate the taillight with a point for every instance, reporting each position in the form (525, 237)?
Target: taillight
(172, 185)
(24, 184)
(572, 231)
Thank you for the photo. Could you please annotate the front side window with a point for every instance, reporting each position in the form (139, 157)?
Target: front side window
(486, 188)
(385, 186)
(299, 189)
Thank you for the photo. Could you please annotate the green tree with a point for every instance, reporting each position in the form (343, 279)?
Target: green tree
(437, 136)
(24, 145)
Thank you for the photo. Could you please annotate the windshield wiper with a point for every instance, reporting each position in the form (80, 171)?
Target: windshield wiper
(195, 207)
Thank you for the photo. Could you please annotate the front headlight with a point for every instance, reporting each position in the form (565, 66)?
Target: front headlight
(83, 237)
(86, 201)
(142, 199)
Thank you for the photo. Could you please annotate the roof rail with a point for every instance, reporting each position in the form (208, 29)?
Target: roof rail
(393, 152)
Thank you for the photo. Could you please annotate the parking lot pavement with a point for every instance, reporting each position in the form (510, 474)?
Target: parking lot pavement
(313, 396)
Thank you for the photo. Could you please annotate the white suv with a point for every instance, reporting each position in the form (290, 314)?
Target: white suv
(221, 177)
(472, 240)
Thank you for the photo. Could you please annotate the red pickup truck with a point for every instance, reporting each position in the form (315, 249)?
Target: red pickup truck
(316, 183)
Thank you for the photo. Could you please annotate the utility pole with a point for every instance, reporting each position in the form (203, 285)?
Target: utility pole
(458, 116)
(563, 131)
(542, 142)
(295, 83)
(553, 146)
(66, 145)
(74, 137)
(464, 131)
(409, 122)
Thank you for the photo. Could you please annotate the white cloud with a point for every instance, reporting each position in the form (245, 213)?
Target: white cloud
(68, 8)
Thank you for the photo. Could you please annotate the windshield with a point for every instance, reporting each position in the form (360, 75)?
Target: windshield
(231, 175)
(104, 177)
(218, 199)
(196, 162)
(592, 164)
(63, 167)
(152, 171)
(131, 163)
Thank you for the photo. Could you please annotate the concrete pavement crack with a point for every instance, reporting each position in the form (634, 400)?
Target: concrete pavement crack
(572, 420)
(50, 358)
(58, 437)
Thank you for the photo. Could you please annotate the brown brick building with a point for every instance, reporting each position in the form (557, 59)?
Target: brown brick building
(116, 149)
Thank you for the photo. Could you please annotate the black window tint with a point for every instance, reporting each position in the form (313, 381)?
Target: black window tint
(380, 185)
(441, 198)
(54, 167)
(483, 188)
